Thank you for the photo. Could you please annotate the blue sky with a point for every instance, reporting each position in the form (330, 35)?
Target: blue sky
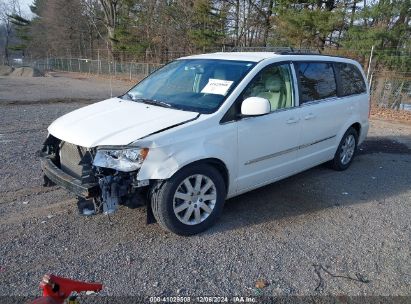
(25, 7)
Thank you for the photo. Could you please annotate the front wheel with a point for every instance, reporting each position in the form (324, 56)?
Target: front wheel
(190, 201)
(346, 150)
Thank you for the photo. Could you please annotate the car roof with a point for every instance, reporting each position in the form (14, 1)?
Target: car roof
(259, 56)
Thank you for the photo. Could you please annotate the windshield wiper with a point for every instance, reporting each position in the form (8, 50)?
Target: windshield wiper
(129, 96)
(153, 102)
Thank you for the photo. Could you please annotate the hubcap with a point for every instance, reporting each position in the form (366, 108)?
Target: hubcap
(194, 199)
(347, 149)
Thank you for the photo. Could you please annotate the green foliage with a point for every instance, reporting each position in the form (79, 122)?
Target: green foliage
(22, 32)
(128, 42)
(306, 24)
(207, 25)
(155, 29)
(127, 39)
(386, 26)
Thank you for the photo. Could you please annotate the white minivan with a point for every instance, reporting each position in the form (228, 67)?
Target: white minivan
(205, 128)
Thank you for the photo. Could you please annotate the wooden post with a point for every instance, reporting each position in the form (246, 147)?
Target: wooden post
(98, 62)
(369, 64)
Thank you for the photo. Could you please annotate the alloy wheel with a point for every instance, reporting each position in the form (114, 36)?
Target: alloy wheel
(347, 149)
(194, 199)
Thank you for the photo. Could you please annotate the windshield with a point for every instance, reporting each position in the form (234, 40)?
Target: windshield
(199, 85)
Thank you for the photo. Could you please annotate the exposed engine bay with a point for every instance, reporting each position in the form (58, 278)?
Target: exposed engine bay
(99, 189)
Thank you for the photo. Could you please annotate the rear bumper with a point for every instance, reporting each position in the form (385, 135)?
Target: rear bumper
(60, 178)
(363, 132)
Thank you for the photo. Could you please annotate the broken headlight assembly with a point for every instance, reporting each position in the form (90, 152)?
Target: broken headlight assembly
(125, 160)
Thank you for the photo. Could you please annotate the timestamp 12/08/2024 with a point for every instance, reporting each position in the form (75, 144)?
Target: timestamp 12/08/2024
(202, 299)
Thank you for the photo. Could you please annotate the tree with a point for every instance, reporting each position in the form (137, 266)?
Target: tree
(160, 30)
(308, 23)
(8, 8)
(110, 9)
(386, 25)
(21, 27)
(60, 27)
(206, 28)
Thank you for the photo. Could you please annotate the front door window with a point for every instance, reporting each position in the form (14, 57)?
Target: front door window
(275, 84)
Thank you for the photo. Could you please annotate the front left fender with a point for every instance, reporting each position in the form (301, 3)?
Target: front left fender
(164, 162)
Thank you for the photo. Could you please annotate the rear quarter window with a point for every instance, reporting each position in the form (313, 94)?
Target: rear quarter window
(316, 81)
(351, 80)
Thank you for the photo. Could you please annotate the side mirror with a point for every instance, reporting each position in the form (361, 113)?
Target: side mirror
(255, 106)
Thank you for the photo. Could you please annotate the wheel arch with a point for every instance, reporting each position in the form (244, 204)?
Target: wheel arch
(218, 164)
(357, 127)
(351, 124)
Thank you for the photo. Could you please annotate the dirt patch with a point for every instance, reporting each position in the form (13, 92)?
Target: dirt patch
(51, 101)
(383, 145)
(60, 87)
(391, 115)
(98, 77)
(5, 70)
(397, 132)
(26, 72)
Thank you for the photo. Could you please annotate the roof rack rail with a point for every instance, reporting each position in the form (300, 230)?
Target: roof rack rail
(276, 49)
(313, 54)
(301, 53)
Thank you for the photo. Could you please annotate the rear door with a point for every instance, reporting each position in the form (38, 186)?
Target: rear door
(323, 112)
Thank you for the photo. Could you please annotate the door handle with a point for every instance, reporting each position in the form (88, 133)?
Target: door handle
(309, 116)
(293, 120)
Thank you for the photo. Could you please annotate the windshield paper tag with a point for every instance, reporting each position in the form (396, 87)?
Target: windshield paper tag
(217, 86)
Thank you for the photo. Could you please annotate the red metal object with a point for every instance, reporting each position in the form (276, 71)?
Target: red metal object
(57, 289)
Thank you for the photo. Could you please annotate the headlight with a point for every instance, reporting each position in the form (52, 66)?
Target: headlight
(122, 160)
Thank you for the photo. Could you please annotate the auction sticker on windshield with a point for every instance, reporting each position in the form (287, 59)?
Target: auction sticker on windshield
(217, 86)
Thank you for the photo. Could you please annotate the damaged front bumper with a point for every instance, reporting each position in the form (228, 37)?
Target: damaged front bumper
(72, 168)
(60, 178)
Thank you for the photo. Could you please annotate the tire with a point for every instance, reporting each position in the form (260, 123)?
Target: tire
(348, 142)
(172, 201)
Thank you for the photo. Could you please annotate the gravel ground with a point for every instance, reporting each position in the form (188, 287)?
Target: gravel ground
(320, 232)
(59, 86)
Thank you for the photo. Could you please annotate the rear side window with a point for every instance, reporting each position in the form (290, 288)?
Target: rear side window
(316, 80)
(350, 79)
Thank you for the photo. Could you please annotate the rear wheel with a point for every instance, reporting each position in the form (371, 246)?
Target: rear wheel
(190, 201)
(346, 150)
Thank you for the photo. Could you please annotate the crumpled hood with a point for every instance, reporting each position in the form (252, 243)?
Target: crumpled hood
(115, 122)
